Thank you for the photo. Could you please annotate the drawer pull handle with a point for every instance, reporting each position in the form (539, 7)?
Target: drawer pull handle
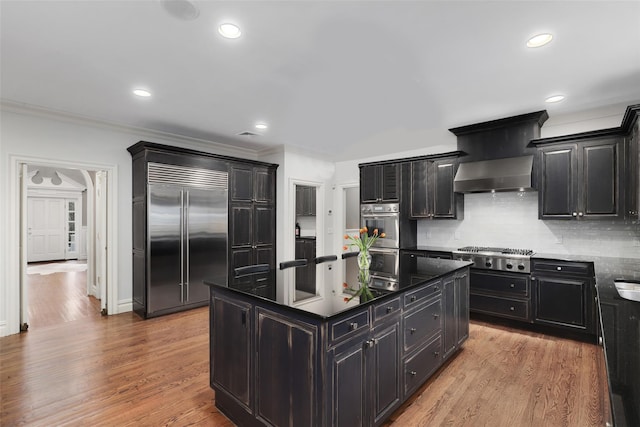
(436, 353)
(413, 373)
(512, 308)
(389, 309)
(559, 268)
(512, 286)
(413, 298)
(435, 288)
(353, 326)
(412, 330)
(436, 315)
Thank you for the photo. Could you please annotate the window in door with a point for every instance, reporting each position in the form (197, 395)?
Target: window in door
(71, 225)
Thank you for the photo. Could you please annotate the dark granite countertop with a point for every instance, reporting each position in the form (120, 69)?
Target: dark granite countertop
(429, 248)
(421, 271)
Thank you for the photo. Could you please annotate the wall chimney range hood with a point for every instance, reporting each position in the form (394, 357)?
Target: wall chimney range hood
(498, 154)
(510, 174)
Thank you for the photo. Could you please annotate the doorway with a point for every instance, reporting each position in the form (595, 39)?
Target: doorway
(83, 217)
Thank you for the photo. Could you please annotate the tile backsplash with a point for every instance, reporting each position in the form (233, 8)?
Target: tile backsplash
(510, 219)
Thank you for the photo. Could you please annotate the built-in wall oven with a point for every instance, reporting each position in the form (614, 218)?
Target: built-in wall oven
(384, 217)
(385, 252)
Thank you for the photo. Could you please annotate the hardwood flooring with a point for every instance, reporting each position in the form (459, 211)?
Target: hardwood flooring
(121, 370)
(59, 297)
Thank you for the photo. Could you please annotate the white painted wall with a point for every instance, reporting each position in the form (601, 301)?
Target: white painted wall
(26, 133)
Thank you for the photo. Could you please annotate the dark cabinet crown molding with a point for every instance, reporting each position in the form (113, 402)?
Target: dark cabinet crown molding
(538, 116)
(411, 159)
(142, 146)
(630, 116)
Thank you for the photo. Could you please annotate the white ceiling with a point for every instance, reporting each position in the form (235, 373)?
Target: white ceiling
(325, 75)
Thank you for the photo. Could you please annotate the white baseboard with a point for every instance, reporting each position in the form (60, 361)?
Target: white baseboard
(125, 306)
(4, 331)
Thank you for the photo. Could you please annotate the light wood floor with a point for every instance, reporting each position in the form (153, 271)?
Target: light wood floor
(121, 370)
(59, 297)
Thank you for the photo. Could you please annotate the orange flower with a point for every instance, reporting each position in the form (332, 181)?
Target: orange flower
(375, 232)
(344, 285)
(383, 235)
(346, 236)
(364, 229)
(345, 247)
(345, 299)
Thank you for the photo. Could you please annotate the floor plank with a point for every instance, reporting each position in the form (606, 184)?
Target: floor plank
(121, 370)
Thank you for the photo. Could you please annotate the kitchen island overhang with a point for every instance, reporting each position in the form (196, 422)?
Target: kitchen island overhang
(274, 364)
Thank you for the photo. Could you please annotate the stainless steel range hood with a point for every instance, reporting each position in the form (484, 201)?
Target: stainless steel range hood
(508, 174)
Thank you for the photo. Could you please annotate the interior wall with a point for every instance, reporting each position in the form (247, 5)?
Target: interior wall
(63, 139)
(510, 220)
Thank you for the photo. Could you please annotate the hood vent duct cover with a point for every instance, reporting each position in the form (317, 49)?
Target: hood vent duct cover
(509, 174)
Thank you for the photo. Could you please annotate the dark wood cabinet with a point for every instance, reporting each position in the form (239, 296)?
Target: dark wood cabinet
(305, 200)
(633, 172)
(564, 295)
(380, 183)
(252, 222)
(432, 193)
(582, 180)
(501, 294)
(306, 276)
(455, 294)
(351, 369)
(236, 376)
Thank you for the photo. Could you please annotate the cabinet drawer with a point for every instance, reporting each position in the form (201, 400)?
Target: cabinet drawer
(421, 324)
(421, 365)
(500, 306)
(508, 285)
(562, 267)
(413, 298)
(386, 309)
(349, 326)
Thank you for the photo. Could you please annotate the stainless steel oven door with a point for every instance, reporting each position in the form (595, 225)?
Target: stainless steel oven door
(385, 263)
(389, 224)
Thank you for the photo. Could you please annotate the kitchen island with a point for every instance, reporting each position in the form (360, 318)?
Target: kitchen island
(340, 364)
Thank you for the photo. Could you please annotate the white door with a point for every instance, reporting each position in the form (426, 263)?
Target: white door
(46, 225)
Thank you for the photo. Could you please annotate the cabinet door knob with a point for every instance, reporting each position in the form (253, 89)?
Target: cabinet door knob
(413, 298)
(389, 309)
(412, 330)
(435, 316)
(559, 268)
(413, 373)
(512, 308)
(353, 326)
(580, 214)
(575, 214)
(436, 353)
(512, 286)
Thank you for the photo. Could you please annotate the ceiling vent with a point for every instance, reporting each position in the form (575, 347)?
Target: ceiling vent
(247, 133)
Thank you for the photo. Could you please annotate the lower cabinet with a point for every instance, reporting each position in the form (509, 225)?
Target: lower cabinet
(276, 366)
(564, 295)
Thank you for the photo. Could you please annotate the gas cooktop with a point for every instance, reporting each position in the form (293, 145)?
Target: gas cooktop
(495, 251)
(491, 258)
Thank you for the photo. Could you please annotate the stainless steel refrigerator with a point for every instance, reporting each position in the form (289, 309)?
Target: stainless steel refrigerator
(187, 237)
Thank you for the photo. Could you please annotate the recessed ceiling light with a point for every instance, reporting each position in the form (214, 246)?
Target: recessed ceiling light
(554, 98)
(184, 10)
(261, 126)
(539, 40)
(142, 93)
(229, 31)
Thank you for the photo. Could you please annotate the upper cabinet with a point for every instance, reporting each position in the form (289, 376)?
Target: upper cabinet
(432, 193)
(582, 180)
(380, 183)
(252, 184)
(632, 194)
(305, 200)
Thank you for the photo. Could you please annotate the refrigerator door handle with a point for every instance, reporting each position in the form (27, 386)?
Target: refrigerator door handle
(187, 240)
(182, 245)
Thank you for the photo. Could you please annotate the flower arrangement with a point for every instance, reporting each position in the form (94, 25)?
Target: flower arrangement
(363, 241)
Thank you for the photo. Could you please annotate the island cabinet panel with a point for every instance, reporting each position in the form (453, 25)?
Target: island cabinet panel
(274, 365)
(231, 370)
(582, 180)
(285, 370)
(632, 183)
